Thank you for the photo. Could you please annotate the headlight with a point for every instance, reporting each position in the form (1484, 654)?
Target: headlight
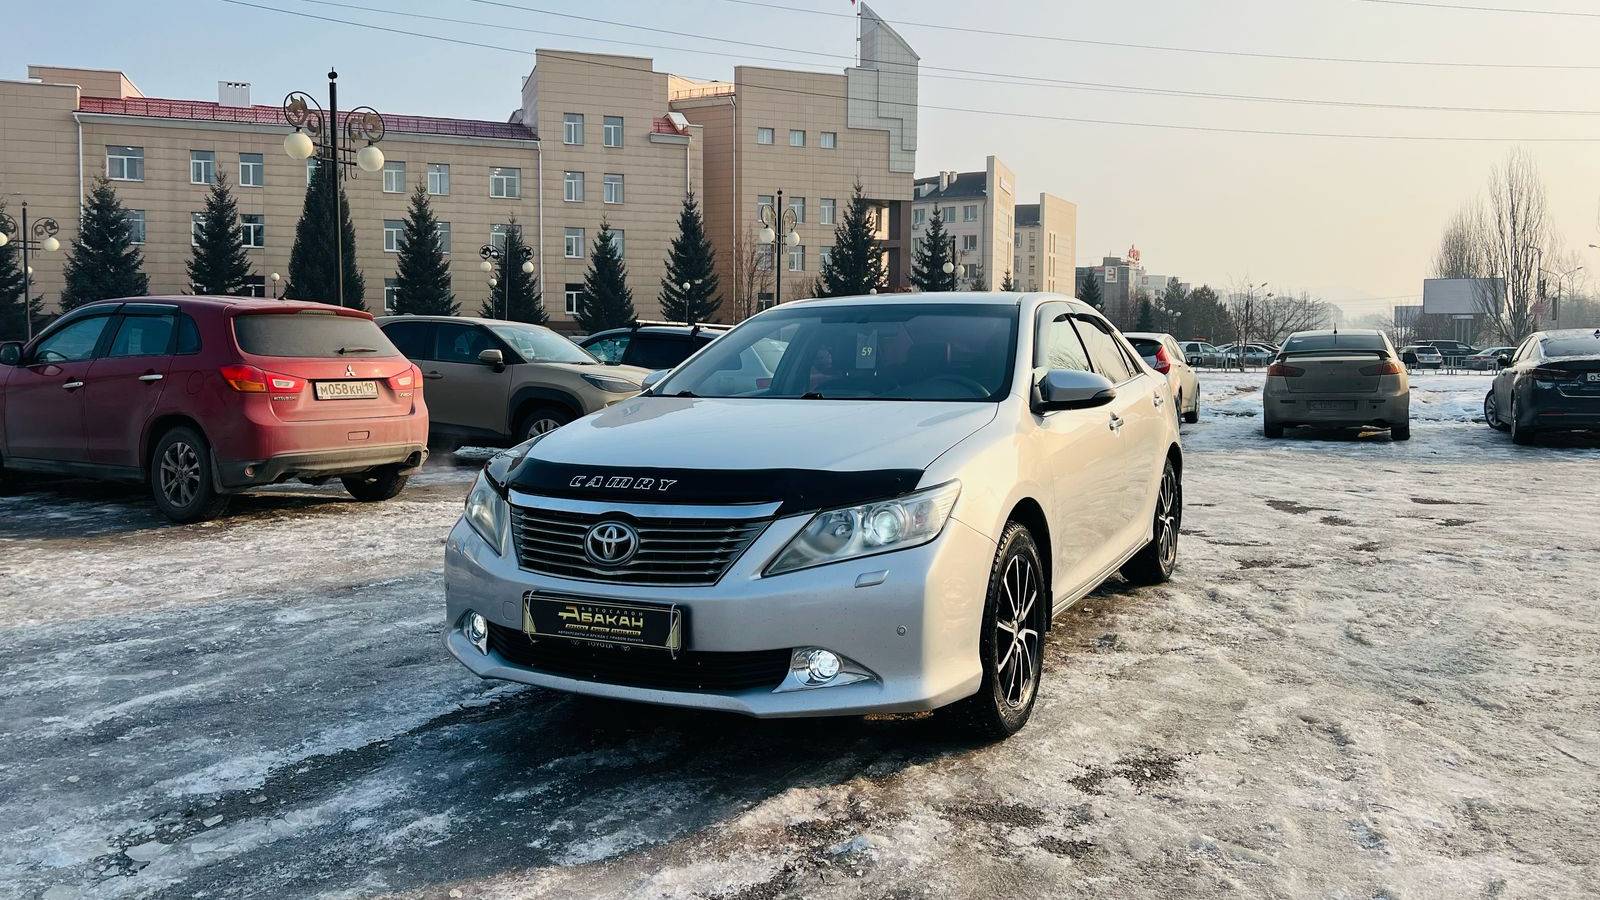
(487, 512)
(612, 385)
(853, 531)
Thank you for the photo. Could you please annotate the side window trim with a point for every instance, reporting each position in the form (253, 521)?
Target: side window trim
(1134, 371)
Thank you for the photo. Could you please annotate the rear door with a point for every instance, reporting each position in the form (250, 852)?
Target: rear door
(44, 397)
(329, 366)
(1138, 424)
(124, 386)
(462, 390)
(649, 350)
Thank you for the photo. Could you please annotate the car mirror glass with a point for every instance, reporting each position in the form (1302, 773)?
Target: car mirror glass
(1502, 360)
(11, 353)
(654, 378)
(493, 358)
(1074, 389)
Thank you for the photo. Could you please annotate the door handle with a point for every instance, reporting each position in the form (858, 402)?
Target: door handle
(72, 385)
(434, 376)
(1116, 422)
(152, 376)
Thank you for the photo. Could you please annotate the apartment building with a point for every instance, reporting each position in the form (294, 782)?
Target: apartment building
(811, 136)
(1045, 243)
(979, 213)
(615, 153)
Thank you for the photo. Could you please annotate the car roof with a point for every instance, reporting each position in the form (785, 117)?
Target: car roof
(663, 328)
(471, 320)
(983, 298)
(224, 303)
(1150, 335)
(1320, 332)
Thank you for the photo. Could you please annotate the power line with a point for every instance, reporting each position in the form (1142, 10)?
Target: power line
(1489, 9)
(956, 109)
(1162, 48)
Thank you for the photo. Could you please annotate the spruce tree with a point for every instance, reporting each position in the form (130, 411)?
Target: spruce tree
(1008, 284)
(516, 296)
(976, 281)
(12, 325)
(218, 264)
(928, 261)
(856, 265)
(606, 301)
(1089, 290)
(693, 261)
(422, 273)
(103, 263)
(1147, 316)
(313, 266)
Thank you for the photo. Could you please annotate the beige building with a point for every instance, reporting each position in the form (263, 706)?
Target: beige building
(1046, 241)
(811, 136)
(979, 211)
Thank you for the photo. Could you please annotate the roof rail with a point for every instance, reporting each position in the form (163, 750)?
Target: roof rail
(636, 324)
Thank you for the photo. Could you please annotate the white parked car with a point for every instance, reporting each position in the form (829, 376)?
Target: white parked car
(1163, 353)
(1201, 353)
(887, 524)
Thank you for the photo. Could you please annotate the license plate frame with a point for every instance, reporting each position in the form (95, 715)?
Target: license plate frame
(1593, 377)
(650, 626)
(1330, 405)
(345, 389)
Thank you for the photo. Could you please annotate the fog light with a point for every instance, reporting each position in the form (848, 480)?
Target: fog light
(821, 666)
(476, 628)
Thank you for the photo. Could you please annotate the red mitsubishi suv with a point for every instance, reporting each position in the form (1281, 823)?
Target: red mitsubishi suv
(202, 397)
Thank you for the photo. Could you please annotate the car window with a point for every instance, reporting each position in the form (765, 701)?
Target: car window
(414, 340)
(1302, 343)
(1147, 347)
(1523, 350)
(74, 343)
(460, 343)
(1586, 344)
(143, 336)
(535, 343)
(656, 351)
(311, 334)
(609, 350)
(188, 336)
(1104, 354)
(1059, 345)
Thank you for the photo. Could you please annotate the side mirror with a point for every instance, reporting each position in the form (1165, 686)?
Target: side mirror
(1502, 360)
(11, 353)
(654, 378)
(1073, 389)
(493, 358)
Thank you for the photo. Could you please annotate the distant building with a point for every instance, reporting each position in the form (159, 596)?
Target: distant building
(979, 211)
(1046, 245)
(1120, 279)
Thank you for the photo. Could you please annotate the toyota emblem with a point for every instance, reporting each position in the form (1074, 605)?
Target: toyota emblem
(611, 543)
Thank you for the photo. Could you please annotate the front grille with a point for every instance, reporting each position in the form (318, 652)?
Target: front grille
(671, 551)
(690, 670)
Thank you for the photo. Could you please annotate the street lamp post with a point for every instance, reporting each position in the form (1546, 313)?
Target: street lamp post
(317, 134)
(1249, 313)
(1555, 305)
(770, 221)
(40, 234)
(952, 268)
(490, 254)
(275, 279)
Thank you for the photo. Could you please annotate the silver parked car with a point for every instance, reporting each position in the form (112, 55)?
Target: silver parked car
(1337, 378)
(1162, 353)
(887, 524)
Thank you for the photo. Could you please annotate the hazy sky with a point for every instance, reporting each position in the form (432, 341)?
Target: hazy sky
(1354, 220)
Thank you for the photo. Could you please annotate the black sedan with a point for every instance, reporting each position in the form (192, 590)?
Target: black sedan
(1551, 383)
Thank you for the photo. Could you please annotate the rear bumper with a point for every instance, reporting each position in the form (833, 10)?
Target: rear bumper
(242, 474)
(1287, 408)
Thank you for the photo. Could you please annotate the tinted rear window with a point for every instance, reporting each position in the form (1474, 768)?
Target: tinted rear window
(311, 334)
(1147, 348)
(1581, 345)
(1308, 342)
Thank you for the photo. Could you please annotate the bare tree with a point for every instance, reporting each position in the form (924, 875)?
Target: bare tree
(753, 274)
(1280, 315)
(1514, 239)
(1461, 249)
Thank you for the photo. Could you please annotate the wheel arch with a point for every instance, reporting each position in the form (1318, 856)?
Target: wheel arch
(527, 397)
(159, 426)
(1028, 513)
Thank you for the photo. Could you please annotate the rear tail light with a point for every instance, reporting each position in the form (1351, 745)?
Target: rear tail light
(1162, 362)
(410, 379)
(1387, 367)
(1284, 370)
(251, 380)
(1545, 374)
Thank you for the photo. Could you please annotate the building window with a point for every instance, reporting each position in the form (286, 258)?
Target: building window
(197, 227)
(572, 128)
(311, 167)
(763, 135)
(444, 237)
(254, 286)
(797, 137)
(574, 291)
(797, 258)
(574, 243)
(439, 179)
(824, 256)
(829, 210)
(797, 205)
(202, 166)
(611, 131)
(947, 213)
(391, 235)
(619, 240)
(969, 213)
(394, 177)
(764, 258)
(125, 163)
(918, 216)
(763, 202)
(136, 225)
(254, 227)
(613, 188)
(505, 183)
(252, 170)
(764, 300)
(969, 242)
(391, 294)
(497, 235)
(572, 187)
(829, 140)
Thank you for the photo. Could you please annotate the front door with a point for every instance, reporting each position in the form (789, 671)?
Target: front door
(463, 391)
(44, 398)
(124, 385)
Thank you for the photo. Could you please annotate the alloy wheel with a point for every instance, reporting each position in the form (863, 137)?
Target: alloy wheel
(1167, 519)
(542, 425)
(179, 473)
(1016, 635)
(1491, 414)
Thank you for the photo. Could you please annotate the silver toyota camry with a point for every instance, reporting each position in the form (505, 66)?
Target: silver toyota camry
(842, 506)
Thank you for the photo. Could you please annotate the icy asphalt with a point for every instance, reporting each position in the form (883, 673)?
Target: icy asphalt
(1376, 674)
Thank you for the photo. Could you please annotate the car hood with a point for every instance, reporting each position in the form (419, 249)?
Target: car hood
(626, 373)
(808, 453)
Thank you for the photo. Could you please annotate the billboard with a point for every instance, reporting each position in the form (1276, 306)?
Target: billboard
(1458, 296)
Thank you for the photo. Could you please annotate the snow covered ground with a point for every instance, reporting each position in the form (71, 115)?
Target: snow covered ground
(1377, 674)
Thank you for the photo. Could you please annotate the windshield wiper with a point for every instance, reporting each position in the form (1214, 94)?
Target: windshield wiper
(812, 395)
(344, 350)
(690, 394)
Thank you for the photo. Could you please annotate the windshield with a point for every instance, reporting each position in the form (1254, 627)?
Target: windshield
(536, 344)
(1584, 344)
(878, 351)
(312, 334)
(1302, 343)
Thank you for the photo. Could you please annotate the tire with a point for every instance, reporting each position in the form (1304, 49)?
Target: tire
(1520, 433)
(1400, 432)
(181, 477)
(1156, 561)
(541, 419)
(1271, 429)
(1193, 415)
(1010, 644)
(376, 486)
(1491, 413)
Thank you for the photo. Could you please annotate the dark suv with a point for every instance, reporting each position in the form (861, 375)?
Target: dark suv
(202, 397)
(650, 345)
